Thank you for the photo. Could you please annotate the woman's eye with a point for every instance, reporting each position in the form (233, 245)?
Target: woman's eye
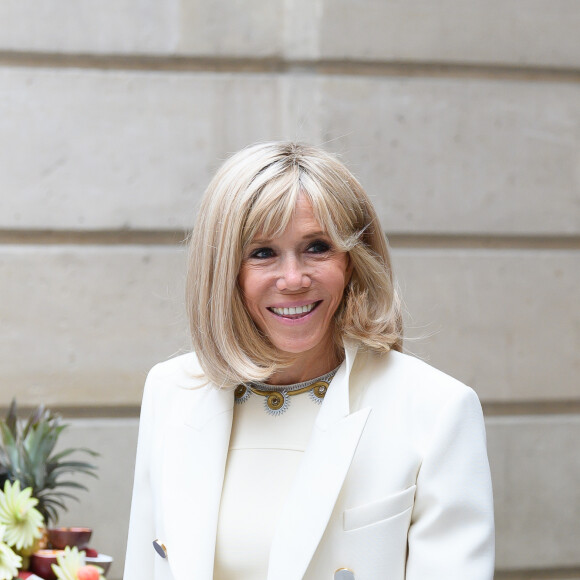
(262, 253)
(318, 247)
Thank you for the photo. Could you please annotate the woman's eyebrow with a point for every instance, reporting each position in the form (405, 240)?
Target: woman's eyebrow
(260, 241)
(314, 235)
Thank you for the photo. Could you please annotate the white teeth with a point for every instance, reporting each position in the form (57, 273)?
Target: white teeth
(293, 310)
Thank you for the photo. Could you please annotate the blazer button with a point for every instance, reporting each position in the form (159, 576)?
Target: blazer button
(344, 574)
(160, 548)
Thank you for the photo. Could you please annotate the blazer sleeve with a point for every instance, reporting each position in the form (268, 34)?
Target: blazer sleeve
(139, 560)
(452, 529)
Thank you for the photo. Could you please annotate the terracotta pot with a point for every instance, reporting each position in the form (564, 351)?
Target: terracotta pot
(60, 538)
(41, 563)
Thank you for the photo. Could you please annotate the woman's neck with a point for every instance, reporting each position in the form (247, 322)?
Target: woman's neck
(306, 368)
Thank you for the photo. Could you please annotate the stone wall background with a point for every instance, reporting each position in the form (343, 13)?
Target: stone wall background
(462, 120)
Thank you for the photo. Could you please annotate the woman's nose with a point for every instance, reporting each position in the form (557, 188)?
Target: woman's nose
(293, 276)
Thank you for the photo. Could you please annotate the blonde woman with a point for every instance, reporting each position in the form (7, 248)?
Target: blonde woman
(297, 441)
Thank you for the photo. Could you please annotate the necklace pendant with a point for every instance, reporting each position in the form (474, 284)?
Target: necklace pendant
(318, 391)
(276, 403)
(242, 394)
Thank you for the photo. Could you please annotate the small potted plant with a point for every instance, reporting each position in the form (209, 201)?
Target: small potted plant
(36, 480)
(27, 455)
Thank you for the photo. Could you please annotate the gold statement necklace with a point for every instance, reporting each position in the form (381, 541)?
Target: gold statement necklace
(277, 399)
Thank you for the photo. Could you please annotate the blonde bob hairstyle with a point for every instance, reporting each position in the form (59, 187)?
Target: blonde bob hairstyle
(255, 191)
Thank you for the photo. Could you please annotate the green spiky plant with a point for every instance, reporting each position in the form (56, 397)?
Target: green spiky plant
(27, 455)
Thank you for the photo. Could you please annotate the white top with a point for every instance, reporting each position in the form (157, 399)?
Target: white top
(263, 458)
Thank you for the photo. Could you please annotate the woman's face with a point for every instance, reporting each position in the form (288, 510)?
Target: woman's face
(293, 284)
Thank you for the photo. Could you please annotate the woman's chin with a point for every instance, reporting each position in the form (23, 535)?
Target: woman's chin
(305, 351)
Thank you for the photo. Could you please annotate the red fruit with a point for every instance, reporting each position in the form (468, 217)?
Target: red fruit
(91, 553)
(88, 573)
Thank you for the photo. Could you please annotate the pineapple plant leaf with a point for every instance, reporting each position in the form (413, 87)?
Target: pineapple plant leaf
(27, 455)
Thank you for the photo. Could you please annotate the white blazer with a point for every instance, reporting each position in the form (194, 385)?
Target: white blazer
(394, 483)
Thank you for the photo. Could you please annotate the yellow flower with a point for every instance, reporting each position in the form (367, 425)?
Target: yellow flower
(69, 563)
(18, 514)
(9, 561)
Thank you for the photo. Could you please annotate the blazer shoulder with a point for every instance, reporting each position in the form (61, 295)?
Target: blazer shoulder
(183, 371)
(411, 377)
(426, 375)
(402, 386)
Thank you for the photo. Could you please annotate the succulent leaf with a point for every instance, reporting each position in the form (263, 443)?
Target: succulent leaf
(11, 421)
(27, 455)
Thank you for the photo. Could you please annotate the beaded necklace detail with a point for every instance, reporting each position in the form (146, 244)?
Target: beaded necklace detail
(277, 398)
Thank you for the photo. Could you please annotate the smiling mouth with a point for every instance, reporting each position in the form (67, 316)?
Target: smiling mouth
(295, 312)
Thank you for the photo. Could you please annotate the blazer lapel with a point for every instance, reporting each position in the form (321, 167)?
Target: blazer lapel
(319, 480)
(196, 449)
